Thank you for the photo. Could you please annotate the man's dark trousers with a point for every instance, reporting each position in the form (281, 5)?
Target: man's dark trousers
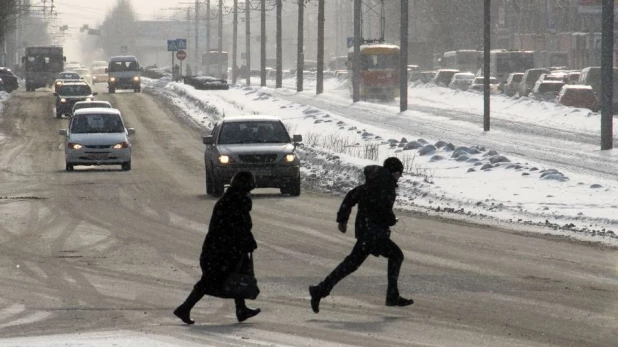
(362, 249)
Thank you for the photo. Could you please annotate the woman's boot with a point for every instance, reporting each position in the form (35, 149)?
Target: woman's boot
(243, 312)
(184, 311)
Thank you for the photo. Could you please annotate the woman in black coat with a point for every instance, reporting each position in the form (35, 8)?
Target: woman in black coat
(229, 240)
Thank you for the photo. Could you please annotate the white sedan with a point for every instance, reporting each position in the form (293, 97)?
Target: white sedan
(97, 136)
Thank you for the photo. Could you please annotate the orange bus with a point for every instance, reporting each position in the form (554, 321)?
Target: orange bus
(379, 71)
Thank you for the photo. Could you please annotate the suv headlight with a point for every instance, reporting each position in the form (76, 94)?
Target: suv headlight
(136, 79)
(63, 100)
(112, 79)
(224, 159)
(288, 158)
(75, 145)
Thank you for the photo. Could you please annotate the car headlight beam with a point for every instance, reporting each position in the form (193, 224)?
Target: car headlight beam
(63, 100)
(75, 145)
(288, 158)
(136, 79)
(224, 159)
(124, 144)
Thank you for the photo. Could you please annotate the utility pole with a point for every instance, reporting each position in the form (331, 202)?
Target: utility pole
(206, 61)
(197, 40)
(263, 44)
(235, 43)
(300, 55)
(356, 57)
(220, 41)
(607, 74)
(486, 72)
(320, 82)
(248, 39)
(403, 57)
(279, 49)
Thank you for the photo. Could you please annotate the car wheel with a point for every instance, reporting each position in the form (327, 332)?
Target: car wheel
(111, 90)
(217, 186)
(126, 166)
(58, 114)
(292, 188)
(69, 167)
(138, 89)
(209, 183)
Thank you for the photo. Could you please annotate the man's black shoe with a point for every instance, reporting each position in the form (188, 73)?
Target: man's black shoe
(242, 314)
(314, 291)
(184, 315)
(399, 301)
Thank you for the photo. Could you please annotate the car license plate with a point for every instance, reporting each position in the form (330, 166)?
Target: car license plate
(98, 156)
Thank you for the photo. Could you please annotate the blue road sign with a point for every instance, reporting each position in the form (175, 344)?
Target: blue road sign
(171, 45)
(181, 44)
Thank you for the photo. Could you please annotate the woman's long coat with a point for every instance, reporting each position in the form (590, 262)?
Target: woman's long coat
(229, 240)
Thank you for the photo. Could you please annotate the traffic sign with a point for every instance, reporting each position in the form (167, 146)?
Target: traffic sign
(181, 55)
(171, 45)
(181, 43)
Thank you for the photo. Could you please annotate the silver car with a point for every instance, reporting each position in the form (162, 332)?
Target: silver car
(256, 143)
(97, 136)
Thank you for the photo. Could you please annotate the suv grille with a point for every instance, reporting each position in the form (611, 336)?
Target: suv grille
(258, 158)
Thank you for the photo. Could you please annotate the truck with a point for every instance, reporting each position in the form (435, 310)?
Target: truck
(41, 64)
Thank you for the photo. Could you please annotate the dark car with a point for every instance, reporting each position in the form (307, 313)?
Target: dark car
(9, 79)
(206, 82)
(546, 90)
(70, 93)
(259, 144)
(529, 79)
(578, 96)
(512, 83)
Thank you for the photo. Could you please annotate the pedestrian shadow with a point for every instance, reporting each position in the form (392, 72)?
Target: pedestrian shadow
(375, 326)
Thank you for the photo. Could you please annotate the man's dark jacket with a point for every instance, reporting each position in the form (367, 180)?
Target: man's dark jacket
(375, 199)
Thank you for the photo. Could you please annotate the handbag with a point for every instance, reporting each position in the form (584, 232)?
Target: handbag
(241, 283)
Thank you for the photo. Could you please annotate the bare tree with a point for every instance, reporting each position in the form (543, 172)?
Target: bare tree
(118, 29)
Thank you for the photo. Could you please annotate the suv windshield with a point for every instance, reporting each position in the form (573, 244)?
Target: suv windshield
(68, 90)
(97, 123)
(117, 66)
(253, 132)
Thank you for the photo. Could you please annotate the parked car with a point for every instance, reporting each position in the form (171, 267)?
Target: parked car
(528, 80)
(512, 83)
(578, 96)
(89, 104)
(206, 82)
(427, 76)
(591, 76)
(551, 77)
(546, 90)
(443, 77)
(10, 81)
(260, 144)
(97, 136)
(461, 80)
(65, 76)
(69, 93)
(572, 77)
(478, 85)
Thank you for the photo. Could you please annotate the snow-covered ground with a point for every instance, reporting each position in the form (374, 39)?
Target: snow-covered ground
(540, 169)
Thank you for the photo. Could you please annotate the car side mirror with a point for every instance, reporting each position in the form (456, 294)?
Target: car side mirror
(297, 138)
(106, 70)
(95, 93)
(62, 132)
(130, 131)
(208, 140)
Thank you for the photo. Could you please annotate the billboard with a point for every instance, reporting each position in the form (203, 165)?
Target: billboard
(592, 6)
